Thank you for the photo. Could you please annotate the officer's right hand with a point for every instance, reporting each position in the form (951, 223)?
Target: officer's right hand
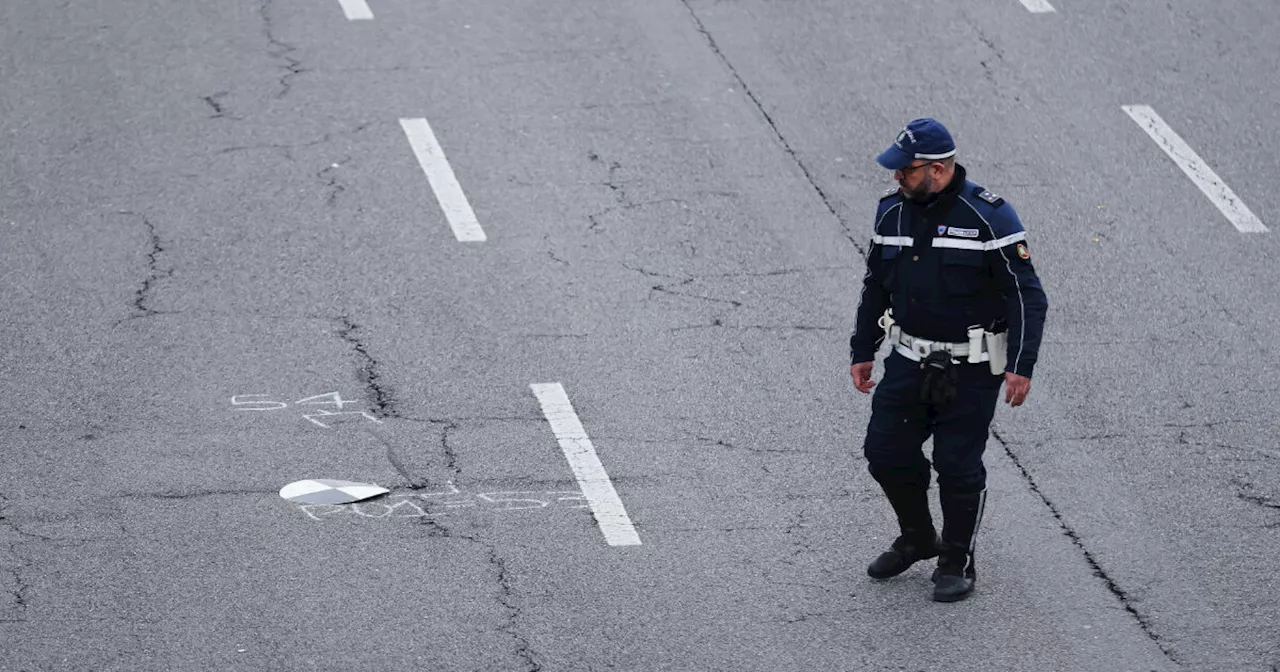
(861, 373)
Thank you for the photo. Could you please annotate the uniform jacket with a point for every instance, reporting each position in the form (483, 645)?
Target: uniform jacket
(958, 261)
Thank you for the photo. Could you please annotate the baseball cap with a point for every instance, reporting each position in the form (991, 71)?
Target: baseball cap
(922, 139)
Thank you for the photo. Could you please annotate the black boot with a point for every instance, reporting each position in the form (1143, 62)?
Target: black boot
(918, 541)
(957, 571)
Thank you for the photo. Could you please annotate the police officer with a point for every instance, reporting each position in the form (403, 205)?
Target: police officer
(950, 285)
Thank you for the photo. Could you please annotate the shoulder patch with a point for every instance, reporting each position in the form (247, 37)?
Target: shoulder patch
(993, 199)
(890, 193)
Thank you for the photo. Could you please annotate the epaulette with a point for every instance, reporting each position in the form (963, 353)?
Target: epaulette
(993, 199)
(890, 193)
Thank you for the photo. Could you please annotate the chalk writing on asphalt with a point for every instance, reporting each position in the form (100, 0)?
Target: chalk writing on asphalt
(434, 504)
(310, 407)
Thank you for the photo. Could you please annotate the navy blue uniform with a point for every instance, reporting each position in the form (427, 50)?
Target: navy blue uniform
(959, 261)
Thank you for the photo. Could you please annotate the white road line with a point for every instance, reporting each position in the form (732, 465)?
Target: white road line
(356, 10)
(1038, 6)
(443, 182)
(1196, 169)
(592, 478)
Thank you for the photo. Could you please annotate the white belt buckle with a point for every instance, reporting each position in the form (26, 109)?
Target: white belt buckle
(922, 348)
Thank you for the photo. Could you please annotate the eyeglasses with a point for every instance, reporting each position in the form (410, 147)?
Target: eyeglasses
(907, 170)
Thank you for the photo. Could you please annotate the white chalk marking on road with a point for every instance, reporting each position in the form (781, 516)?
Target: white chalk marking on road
(1200, 173)
(1038, 6)
(356, 10)
(592, 478)
(443, 182)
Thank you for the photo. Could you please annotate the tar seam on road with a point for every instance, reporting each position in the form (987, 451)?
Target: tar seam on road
(442, 180)
(826, 200)
(594, 481)
(1195, 168)
(1098, 571)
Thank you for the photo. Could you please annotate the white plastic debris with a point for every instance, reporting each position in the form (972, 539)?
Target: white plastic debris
(329, 491)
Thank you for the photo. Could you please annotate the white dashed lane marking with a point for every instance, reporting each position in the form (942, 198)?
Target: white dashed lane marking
(1038, 6)
(605, 504)
(443, 182)
(356, 10)
(1200, 173)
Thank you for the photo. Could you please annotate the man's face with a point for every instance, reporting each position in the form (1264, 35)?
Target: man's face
(917, 179)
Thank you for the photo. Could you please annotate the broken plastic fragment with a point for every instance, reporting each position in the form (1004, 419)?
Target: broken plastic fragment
(328, 491)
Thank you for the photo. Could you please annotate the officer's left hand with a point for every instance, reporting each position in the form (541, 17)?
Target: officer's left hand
(1015, 388)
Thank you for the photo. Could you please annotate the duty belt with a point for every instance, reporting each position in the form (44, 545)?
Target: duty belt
(983, 346)
(917, 349)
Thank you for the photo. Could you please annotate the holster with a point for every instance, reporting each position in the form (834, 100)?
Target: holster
(997, 351)
(941, 379)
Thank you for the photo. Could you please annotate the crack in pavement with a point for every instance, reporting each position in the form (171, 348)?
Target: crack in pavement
(787, 327)
(618, 189)
(20, 586)
(331, 181)
(369, 371)
(1245, 492)
(397, 463)
(219, 110)
(806, 616)
(765, 274)
(450, 456)
(288, 148)
(154, 273)
(506, 591)
(795, 525)
(777, 132)
(594, 218)
(1094, 565)
(720, 443)
(987, 71)
(687, 279)
(280, 50)
(505, 598)
(715, 323)
(552, 252)
(652, 274)
(665, 288)
(738, 274)
(144, 295)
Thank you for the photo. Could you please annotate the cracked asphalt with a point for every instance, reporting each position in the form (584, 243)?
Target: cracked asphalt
(211, 219)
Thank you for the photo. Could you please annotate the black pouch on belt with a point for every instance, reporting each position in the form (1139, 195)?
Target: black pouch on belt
(941, 378)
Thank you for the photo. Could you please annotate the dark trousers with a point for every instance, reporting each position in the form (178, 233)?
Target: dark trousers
(900, 423)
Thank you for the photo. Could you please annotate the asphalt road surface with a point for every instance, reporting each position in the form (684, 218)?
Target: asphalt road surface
(225, 268)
